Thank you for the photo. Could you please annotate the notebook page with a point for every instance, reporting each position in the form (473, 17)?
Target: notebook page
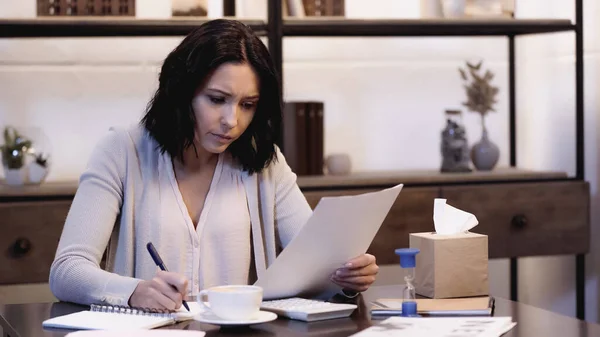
(183, 315)
(90, 320)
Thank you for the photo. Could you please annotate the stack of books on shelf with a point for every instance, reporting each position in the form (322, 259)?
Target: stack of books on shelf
(303, 141)
(86, 8)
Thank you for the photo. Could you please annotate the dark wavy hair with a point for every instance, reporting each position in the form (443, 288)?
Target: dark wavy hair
(169, 117)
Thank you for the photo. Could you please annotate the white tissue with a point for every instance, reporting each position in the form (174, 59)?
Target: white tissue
(450, 220)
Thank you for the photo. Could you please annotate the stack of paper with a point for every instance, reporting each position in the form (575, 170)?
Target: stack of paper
(440, 326)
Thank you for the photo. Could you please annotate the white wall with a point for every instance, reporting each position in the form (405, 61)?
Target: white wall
(384, 99)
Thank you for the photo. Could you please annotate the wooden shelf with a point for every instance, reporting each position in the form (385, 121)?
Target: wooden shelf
(109, 27)
(421, 27)
(325, 26)
(425, 178)
(353, 180)
(49, 189)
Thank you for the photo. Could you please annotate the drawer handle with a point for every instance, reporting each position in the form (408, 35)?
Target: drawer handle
(21, 247)
(519, 221)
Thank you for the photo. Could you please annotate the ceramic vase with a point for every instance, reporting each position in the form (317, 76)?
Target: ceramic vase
(485, 153)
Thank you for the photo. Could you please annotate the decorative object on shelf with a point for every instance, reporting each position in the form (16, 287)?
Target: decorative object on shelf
(189, 7)
(431, 9)
(38, 169)
(294, 8)
(14, 152)
(338, 164)
(490, 8)
(324, 7)
(25, 156)
(454, 145)
(453, 8)
(481, 97)
(508, 8)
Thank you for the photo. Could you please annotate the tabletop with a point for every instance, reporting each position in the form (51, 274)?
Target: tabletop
(25, 320)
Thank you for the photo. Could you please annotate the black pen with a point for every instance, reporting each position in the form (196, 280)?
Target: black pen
(161, 265)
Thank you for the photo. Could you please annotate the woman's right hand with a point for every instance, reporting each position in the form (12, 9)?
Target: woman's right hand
(165, 291)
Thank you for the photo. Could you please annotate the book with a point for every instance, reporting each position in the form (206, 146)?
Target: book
(439, 326)
(318, 149)
(112, 317)
(311, 137)
(314, 137)
(469, 306)
(295, 137)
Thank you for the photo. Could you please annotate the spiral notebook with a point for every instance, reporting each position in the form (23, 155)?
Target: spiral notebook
(111, 317)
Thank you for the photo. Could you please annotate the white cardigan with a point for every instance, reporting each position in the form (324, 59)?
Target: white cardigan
(118, 203)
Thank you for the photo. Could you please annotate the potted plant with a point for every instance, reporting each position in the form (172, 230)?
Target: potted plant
(481, 97)
(14, 152)
(25, 159)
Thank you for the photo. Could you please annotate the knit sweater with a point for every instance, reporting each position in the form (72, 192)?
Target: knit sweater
(128, 196)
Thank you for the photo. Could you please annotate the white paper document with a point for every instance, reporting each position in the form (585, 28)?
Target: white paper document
(439, 327)
(339, 229)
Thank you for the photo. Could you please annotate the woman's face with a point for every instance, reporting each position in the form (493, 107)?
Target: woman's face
(225, 106)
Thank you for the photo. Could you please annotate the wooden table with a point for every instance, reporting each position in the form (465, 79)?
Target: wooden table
(25, 320)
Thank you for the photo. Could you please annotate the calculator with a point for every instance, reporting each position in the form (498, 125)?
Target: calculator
(308, 310)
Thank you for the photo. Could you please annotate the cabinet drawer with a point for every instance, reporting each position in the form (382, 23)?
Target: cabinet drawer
(521, 219)
(412, 212)
(549, 218)
(31, 231)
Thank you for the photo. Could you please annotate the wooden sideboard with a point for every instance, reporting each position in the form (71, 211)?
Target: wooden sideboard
(524, 213)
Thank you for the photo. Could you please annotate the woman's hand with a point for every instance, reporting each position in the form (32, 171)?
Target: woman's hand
(165, 291)
(357, 274)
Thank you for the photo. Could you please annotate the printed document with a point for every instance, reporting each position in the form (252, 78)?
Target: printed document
(339, 229)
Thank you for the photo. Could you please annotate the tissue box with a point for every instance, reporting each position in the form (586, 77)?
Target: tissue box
(451, 265)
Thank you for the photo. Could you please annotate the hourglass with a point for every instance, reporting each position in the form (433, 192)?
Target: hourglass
(408, 263)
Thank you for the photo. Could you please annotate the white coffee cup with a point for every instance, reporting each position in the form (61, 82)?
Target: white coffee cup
(232, 302)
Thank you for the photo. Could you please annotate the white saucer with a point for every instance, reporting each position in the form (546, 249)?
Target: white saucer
(210, 318)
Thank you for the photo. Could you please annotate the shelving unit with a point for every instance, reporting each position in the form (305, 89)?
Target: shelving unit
(332, 27)
(106, 27)
(276, 29)
(510, 28)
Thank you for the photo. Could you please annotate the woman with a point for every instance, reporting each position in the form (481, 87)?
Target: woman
(200, 178)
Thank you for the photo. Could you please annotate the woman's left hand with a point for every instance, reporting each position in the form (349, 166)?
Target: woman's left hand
(357, 274)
